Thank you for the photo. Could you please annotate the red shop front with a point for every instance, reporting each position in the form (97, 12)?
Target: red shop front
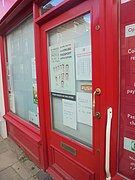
(68, 76)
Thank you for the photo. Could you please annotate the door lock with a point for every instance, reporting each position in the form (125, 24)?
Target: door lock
(98, 115)
(97, 92)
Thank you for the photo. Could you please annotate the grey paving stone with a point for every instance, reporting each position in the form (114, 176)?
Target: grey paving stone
(31, 167)
(9, 174)
(23, 157)
(21, 170)
(14, 147)
(33, 178)
(3, 147)
(1, 139)
(41, 175)
(7, 158)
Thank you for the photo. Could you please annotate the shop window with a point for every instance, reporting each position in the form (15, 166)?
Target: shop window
(47, 5)
(21, 72)
(71, 79)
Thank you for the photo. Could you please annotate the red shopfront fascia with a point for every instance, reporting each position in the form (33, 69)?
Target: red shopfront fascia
(5, 6)
(63, 156)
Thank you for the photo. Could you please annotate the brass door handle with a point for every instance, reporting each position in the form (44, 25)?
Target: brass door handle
(97, 92)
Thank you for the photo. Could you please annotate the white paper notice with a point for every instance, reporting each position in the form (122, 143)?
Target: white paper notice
(33, 117)
(84, 108)
(69, 113)
(33, 64)
(83, 63)
(62, 68)
(12, 102)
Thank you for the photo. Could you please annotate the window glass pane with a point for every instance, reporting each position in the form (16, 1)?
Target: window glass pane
(21, 72)
(71, 79)
(46, 6)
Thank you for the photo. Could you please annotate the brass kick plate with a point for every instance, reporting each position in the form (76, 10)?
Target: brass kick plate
(68, 148)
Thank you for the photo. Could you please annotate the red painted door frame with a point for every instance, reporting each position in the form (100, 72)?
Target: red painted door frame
(101, 76)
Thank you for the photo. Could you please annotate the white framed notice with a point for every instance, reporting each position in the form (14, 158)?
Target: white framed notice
(69, 113)
(84, 108)
(62, 68)
(83, 63)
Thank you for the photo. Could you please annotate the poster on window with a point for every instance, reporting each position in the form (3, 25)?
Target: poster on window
(35, 96)
(83, 63)
(34, 117)
(62, 68)
(84, 108)
(69, 113)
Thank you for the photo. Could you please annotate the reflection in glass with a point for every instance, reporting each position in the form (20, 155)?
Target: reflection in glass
(70, 64)
(21, 72)
(44, 7)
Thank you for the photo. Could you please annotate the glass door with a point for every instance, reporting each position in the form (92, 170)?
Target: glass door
(70, 71)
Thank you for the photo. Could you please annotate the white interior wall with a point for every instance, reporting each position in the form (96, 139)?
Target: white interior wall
(3, 129)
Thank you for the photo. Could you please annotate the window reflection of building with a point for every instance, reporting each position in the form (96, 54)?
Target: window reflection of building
(77, 28)
(45, 6)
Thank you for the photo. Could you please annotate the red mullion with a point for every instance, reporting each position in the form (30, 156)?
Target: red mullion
(35, 11)
(46, 84)
(4, 74)
(94, 40)
(46, 92)
(97, 63)
(102, 84)
(112, 62)
(40, 87)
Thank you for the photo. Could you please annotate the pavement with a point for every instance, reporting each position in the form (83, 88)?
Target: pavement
(15, 165)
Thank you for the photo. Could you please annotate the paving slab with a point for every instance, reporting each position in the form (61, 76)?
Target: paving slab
(18, 167)
(9, 174)
(33, 178)
(7, 159)
(1, 139)
(31, 167)
(41, 175)
(3, 147)
(14, 147)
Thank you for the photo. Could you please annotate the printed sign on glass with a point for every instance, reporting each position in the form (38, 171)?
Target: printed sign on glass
(62, 68)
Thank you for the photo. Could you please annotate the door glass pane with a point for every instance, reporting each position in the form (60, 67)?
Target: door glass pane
(126, 164)
(21, 72)
(70, 67)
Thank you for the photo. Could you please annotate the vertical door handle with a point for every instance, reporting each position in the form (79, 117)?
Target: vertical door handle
(97, 92)
(108, 136)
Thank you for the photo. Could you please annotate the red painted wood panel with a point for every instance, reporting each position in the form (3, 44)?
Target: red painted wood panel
(73, 169)
(27, 137)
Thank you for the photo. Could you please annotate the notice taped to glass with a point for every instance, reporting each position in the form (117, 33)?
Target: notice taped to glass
(62, 68)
